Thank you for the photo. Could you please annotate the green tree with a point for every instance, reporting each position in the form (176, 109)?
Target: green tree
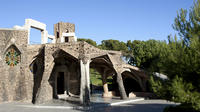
(89, 41)
(181, 62)
(188, 27)
(113, 45)
(146, 54)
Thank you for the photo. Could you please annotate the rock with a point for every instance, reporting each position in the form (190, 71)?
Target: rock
(108, 95)
(132, 95)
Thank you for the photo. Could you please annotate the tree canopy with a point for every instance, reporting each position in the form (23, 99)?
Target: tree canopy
(89, 41)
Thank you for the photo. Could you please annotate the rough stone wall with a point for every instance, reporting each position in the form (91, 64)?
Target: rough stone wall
(70, 39)
(70, 48)
(15, 83)
(62, 27)
(74, 85)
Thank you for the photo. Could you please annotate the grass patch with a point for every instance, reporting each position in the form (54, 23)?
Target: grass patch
(95, 78)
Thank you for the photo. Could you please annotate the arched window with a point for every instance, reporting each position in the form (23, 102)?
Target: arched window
(12, 56)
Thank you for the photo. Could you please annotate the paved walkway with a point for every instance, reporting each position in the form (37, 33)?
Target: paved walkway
(137, 106)
(98, 104)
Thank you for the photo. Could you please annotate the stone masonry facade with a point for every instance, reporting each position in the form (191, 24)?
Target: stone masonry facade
(42, 72)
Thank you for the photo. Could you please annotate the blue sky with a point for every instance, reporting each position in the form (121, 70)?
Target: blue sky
(98, 19)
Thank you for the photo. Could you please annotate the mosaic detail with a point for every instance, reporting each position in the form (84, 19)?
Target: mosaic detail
(12, 57)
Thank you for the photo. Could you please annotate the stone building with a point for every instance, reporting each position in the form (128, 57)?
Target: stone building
(41, 72)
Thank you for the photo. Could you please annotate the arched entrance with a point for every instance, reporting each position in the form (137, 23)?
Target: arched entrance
(65, 76)
(131, 83)
(103, 66)
(61, 85)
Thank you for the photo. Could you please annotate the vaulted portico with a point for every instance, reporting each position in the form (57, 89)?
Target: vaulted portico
(60, 69)
(65, 77)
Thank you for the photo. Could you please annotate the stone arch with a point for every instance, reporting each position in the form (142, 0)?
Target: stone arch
(131, 82)
(65, 76)
(104, 66)
(12, 55)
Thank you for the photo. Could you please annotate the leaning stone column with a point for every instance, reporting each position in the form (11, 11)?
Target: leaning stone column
(45, 92)
(105, 86)
(85, 82)
(121, 86)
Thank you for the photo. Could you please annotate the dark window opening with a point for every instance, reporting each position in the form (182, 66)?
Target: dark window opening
(60, 83)
(57, 34)
(66, 39)
(67, 31)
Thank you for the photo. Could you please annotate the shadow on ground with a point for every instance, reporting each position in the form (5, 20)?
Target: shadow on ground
(154, 107)
(140, 106)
